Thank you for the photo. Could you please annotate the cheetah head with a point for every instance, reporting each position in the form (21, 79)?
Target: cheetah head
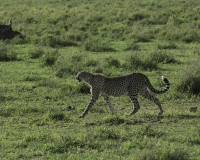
(83, 76)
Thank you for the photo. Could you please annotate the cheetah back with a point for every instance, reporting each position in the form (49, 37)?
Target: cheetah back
(118, 86)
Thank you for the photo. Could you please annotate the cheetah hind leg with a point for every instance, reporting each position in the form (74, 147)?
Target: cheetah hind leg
(135, 103)
(147, 95)
(109, 104)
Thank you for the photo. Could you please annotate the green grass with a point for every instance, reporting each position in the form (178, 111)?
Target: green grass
(37, 84)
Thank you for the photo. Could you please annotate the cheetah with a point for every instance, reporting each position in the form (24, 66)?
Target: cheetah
(131, 84)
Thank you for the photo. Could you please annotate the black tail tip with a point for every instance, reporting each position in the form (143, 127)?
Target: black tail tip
(165, 79)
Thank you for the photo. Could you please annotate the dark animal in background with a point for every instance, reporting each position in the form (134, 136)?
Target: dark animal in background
(193, 109)
(6, 31)
(7, 26)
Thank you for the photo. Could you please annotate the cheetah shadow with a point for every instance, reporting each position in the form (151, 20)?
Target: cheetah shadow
(116, 120)
(188, 116)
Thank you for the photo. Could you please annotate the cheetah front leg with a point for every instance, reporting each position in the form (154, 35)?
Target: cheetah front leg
(93, 100)
(106, 98)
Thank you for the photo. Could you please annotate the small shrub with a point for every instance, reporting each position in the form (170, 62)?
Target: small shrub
(75, 36)
(144, 35)
(56, 116)
(63, 146)
(25, 110)
(9, 56)
(68, 69)
(92, 63)
(98, 45)
(136, 16)
(190, 83)
(150, 132)
(48, 59)
(161, 57)
(112, 62)
(149, 64)
(6, 55)
(83, 88)
(69, 88)
(136, 61)
(45, 82)
(192, 36)
(2, 97)
(7, 111)
(114, 120)
(32, 78)
(98, 69)
(60, 72)
(57, 41)
(163, 154)
(17, 40)
(36, 53)
(132, 46)
(106, 133)
(67, 65)
(77, 58)
(167, 46)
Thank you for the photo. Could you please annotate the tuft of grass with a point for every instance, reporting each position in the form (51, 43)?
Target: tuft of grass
(64, 145)
(150, 132)
(49, 58)
(114, 120)
(169, 45)
(32, 78)
(190, 83)
(98, 45)
(106, 133)
(150, 61)
(57, 116)
(36, 53)
(6, 54)
(66, 65)
(7, 111)
(112, 62)
(132, 46)
(161, 56)
(83, 88)
(92, 63)
(143, 35)
(25, 110)
(45, 82)
(136, 61)
(164, 154)
(57, 41)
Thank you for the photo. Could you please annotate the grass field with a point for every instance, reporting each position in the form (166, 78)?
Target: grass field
(114, 38)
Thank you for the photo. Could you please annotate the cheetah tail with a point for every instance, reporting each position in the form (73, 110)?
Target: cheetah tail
(161, 91)
(166, 82)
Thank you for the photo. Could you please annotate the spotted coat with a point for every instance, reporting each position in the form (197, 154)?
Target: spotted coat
(131, 84)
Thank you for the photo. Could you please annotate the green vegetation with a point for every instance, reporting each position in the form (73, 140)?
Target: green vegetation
(114, 38)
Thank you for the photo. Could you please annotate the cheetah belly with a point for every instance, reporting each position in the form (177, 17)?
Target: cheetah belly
(115, 87)
(117, 91)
